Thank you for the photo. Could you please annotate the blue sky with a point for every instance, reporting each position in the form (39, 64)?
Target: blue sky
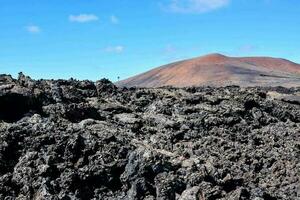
(110, 38)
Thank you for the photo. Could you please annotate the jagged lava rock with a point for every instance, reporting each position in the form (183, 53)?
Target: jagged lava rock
(69, 139)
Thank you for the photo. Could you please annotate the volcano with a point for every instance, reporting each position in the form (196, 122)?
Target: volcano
(220, 70)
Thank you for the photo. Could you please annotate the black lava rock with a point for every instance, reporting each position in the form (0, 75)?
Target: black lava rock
(69, 139)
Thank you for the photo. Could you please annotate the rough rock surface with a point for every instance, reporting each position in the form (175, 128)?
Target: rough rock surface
(68, 139)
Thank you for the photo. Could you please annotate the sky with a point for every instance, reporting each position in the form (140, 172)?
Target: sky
(94, 39)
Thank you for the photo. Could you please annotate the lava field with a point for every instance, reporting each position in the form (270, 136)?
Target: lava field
(69, 139)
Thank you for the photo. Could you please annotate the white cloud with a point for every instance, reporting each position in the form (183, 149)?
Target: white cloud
(33, 29)
(83, 18)
(114, 19)
(196, 6)
(115, 49)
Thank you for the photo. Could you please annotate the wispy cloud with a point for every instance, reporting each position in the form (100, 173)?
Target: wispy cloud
(171, 53)
(169, 50)
(195, 6)
(243, 50)
(248, 48)
(115, 49)
(83, 18)
(114, 19)
(33, 29)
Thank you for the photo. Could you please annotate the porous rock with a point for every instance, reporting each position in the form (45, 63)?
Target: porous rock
(69, 139)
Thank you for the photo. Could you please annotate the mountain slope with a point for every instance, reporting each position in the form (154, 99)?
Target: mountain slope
(220, 70)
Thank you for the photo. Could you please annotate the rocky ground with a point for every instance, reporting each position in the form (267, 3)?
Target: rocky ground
(68, 139)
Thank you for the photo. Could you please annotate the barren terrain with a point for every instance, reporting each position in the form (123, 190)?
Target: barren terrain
(68, 139)
(219, 70)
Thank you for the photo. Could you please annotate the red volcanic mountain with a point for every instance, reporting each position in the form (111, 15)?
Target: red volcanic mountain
(220, 70)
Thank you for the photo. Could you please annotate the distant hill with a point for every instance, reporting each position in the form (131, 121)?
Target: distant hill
(220, 70)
